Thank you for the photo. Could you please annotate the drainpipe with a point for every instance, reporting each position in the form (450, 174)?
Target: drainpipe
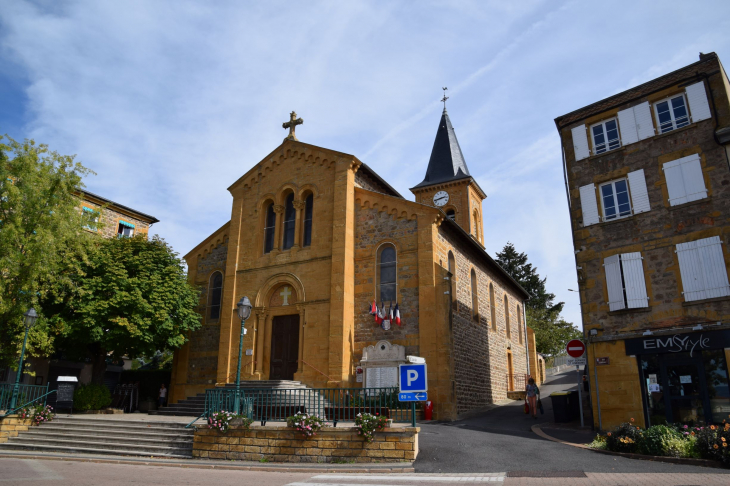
(527, 341)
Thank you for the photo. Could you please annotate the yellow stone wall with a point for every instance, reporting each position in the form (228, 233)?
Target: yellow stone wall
(282, 444)
(11, 425)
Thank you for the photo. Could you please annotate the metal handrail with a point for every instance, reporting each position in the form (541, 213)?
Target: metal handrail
(28, 403)
(196, 419)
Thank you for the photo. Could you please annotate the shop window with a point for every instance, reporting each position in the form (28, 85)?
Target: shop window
(387, 263)
(290, 217)
(685, 181)
(474, 296)
(269, 228)
(703, 271)
(605, 136)
(625, 281)
(671, 113)
(215, 294)
(308, 211)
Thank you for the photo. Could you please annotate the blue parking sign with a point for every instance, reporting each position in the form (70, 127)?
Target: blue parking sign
(413, 378)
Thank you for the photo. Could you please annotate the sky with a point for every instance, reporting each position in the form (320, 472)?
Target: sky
(169, 102)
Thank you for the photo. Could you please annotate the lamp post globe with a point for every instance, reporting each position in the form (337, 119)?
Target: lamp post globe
(244, 312)
(29, 319)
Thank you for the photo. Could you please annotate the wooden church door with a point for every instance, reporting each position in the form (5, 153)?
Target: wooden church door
(284, 347)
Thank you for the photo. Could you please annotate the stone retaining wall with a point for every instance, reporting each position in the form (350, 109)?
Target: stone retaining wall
(283, 444)
(11, 425)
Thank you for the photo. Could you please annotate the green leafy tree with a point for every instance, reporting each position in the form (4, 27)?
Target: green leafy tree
(516, 265)
(41, 241)
(552, 332)
(132, 299)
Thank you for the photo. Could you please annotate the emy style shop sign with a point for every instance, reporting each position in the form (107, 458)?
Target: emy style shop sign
(679, 343)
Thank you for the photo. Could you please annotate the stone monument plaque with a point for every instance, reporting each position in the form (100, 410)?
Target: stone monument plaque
(380, 364)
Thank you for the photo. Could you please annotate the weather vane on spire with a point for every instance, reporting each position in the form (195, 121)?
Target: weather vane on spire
(445, 97)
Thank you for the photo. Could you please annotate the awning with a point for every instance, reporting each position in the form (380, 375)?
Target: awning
(124, 223)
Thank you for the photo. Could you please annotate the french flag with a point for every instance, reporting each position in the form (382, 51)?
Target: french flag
(396, 314)
(390, 312)
(374, 309)
(379, 314)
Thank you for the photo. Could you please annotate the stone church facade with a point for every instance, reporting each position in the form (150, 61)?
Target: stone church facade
(315, 236)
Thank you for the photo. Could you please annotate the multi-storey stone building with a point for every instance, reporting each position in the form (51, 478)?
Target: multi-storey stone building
(649, 191)
(315, 237)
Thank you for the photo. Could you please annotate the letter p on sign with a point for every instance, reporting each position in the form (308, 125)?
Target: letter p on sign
(412, 378)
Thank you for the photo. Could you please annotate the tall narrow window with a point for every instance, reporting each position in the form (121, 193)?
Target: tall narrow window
(492, 310)
(615, 199)
(519, 322)
(452, 271)
(387, 274)
(308, 208)
(451, 214)
(290, 217)
(474, 296)
(506, 318)
(476, 225)
(215, 292)
(269, 228)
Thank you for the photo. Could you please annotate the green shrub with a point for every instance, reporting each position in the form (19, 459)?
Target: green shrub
(599, 442)
(624, 438)
(655, 439)
(712, 442)
(92, 397)
(680, 447)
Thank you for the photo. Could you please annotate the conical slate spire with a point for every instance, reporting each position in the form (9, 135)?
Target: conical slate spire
(447, 162)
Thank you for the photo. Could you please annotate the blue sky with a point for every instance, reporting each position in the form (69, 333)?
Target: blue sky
(170, 102)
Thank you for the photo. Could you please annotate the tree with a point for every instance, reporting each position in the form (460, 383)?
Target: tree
(526, 275)
(552, 333)
(41, 242)
(132, 299)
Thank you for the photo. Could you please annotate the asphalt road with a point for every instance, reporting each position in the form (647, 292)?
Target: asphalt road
(500, 440)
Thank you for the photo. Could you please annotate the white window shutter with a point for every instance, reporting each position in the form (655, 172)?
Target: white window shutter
(713, 267)
(675, 182)
(627, 126)
(634, 282)
(639, 194)
(613, 283)
(694, 180)
(644, 123)
(690, 267)
(588, 205)
(580, 142)
(699, 108)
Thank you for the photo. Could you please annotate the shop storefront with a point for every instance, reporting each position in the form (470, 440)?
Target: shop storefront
(684, 377)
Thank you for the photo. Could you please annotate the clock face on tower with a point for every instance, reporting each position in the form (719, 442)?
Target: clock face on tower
(440, 198)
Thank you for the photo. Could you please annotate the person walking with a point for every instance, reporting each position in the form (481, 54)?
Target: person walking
(533, 393)
(162, 397)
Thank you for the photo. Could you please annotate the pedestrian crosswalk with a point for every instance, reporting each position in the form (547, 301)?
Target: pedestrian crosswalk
(399, 479)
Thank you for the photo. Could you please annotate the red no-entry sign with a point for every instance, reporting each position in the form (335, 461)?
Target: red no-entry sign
(575, 348)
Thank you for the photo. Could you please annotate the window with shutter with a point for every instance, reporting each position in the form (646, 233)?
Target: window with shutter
(703, 270)
(627, 125)
(671, 113)
(580, 142)
(644, 122)
(639, 194)
(589, 205)
(605, 136)
(625, 281)
(699, 108)
(685, 180)
(615, 200)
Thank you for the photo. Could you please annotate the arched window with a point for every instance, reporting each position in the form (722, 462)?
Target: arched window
(506, 318)
(290, 217)
(452, 270)
(387, 262)
(451, 214)
(491, 307)
(519, 321)
(215, 292)
(474, 296)
(269, 228)
(308, 208)
(476, 225)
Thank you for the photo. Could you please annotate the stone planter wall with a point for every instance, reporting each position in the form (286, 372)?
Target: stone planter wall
(282, 444)
(11, 425)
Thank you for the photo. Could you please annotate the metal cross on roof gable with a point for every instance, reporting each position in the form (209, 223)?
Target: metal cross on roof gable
(291, 125)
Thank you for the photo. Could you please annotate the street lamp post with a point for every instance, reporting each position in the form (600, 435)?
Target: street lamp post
(29, 320)
(244, 311)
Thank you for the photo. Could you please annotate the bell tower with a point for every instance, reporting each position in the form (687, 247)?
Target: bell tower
(448, 184)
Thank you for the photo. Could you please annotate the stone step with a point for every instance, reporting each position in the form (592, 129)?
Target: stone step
(64, 421)
(121, 428)
(97, 444)
(84, 448)
(174, 413)
(69, 431)
(182, 442)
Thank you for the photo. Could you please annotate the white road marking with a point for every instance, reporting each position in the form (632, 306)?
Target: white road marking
(376, 479)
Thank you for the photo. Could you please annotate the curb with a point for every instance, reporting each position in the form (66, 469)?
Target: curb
(284, 467)
(673, 460)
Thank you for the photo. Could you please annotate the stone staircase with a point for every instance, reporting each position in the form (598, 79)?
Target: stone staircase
(195, 406)
(102, 436)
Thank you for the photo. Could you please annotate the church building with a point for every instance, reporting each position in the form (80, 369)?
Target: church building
(315, 238)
